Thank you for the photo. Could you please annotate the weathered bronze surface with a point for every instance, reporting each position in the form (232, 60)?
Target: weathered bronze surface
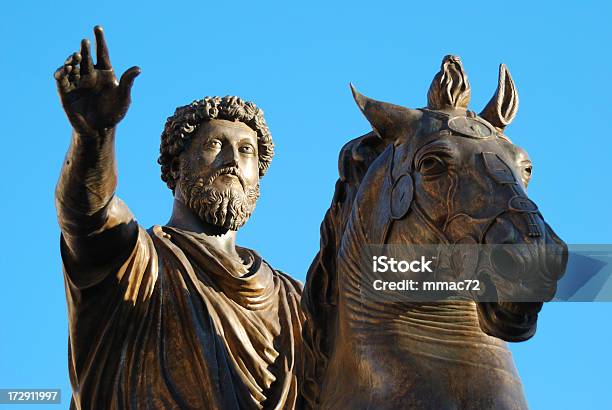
(437, 175)
(176, 316)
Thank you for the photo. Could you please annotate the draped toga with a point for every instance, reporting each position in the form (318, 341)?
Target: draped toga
(177, 323)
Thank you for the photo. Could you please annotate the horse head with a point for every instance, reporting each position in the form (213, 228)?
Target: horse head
(467, 183)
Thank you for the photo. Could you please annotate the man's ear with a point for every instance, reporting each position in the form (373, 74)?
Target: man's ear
(175, 168)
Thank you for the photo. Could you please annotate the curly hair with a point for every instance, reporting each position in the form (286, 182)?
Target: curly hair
(181, 126)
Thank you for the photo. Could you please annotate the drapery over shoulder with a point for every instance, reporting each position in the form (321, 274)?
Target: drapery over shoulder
(176, 323)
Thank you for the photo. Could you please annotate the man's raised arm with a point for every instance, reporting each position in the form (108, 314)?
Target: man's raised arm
(96, 226)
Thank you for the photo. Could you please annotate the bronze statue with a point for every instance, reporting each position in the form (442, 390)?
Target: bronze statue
(177, 316)
(437, 175)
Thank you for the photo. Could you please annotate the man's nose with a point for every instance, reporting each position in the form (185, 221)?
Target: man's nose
(230, 156)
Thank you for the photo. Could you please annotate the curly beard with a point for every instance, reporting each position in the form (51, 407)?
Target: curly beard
(229, 208)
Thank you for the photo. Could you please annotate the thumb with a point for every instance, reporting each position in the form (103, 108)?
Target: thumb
(127, 80)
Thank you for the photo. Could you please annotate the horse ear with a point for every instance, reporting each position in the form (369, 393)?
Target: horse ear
(389, 121)
(502, 107)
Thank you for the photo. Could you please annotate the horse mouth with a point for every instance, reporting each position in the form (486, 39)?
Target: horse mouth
(510, 321)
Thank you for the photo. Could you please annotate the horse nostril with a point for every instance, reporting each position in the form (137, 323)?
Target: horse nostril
(505, 262)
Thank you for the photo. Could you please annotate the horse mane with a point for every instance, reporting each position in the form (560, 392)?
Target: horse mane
(320, 295)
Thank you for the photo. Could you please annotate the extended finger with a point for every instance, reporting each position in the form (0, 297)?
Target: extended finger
(86, 62)
(102, 58)
(127, 79)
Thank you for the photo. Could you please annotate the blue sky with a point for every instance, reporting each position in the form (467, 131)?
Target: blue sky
(295, 61)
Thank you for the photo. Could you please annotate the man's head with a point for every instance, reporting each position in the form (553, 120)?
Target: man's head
(212, 154)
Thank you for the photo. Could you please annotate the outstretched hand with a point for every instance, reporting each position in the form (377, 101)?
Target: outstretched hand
(91, 95)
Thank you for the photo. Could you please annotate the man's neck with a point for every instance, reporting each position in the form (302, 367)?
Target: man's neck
(184, 218)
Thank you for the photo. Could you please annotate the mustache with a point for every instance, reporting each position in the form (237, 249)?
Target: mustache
(225, 171)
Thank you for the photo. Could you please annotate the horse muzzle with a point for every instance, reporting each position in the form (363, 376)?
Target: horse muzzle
(525, 260)
(524, 267)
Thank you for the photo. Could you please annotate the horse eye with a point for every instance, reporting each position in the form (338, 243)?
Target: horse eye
(432, 165)
(528, 170)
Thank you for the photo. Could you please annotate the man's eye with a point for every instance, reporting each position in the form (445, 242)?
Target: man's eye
(214, 144)
(247, 149)
(527, 174)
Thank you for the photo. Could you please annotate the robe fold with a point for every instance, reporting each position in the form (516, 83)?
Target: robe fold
(178, 324)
